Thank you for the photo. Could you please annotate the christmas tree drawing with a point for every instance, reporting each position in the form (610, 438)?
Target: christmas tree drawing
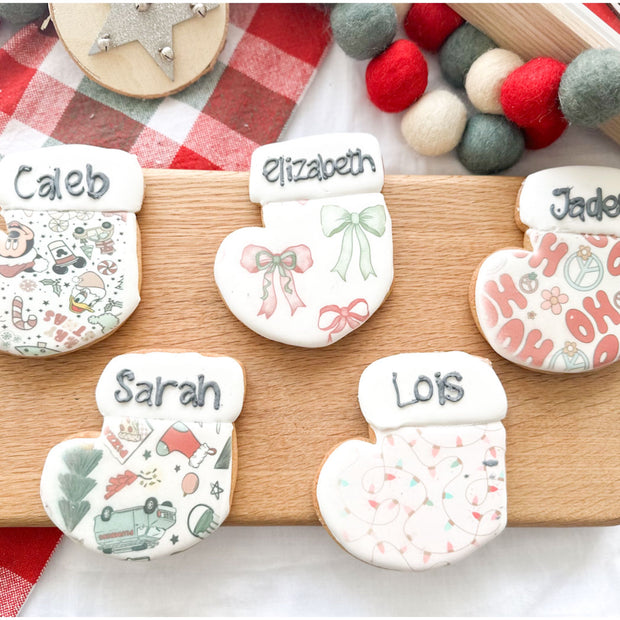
(76, 484)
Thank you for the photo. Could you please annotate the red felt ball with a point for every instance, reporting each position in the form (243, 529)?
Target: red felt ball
(530, 93)
(397, 77)
(545, 132)
(429, 25)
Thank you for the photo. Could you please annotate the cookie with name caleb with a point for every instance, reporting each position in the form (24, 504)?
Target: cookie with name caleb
(70, 256)
(555, 305)
(160, 475)
(323, 262)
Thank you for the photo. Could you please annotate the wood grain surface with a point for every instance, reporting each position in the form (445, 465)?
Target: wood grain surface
(563, 431)
(128, 69)
(542, 29)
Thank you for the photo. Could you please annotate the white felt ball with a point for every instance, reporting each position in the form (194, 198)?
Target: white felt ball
(486, 76)
(435, 123)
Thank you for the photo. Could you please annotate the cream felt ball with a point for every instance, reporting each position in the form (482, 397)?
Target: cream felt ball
(460, 50)
(485, 77)
(490, 144)
(590, 88)
(435, 123)
(363, 30)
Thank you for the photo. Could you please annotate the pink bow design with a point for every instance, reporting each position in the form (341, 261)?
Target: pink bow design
(297, 258)
(344, 316)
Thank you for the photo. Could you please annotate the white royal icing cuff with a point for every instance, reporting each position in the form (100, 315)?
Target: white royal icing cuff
(421, 389)
(318, 167)
(172, 386)
(578, 199)
(71, 177)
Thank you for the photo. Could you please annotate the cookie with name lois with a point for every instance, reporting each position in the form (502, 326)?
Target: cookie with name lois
(70, 256)
(555, 305)
(323, 263)
(430, 486)
(160, 475)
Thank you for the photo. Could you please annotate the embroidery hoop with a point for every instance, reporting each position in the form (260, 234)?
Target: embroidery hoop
(128, 69)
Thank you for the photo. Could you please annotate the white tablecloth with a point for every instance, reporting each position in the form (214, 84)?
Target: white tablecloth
(301, 570)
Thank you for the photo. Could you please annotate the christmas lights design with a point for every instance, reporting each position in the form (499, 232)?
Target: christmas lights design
(431, 487)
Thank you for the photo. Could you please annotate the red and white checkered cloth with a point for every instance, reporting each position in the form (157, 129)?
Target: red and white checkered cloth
(271, 54)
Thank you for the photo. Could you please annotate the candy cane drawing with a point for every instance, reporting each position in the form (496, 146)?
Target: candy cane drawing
(18, 316)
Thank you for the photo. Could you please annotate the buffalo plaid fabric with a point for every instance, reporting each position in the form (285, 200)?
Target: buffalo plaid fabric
(271, 54)
(24, 552)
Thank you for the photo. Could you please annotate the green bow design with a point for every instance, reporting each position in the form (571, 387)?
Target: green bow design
(335, 219)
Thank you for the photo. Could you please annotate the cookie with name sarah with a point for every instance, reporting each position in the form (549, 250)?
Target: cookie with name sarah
(323, 262)
(554, 306)
(160, 476)
(70, 252)
(429, 488)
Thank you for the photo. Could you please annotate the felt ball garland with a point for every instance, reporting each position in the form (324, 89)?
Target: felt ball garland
(435, 123)
(363, 30)
(20, 13)
(590, 88)
(429, 25)
(530, 92)
(485, 77)
(521, 105)
(397, 77)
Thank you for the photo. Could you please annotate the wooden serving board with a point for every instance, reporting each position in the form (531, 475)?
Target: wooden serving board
(563, 431)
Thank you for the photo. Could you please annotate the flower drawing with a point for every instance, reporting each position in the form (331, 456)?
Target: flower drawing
(553, 300)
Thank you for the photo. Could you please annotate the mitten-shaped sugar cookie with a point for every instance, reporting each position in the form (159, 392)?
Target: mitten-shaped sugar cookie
(555, 306)
(431, 488)
(322, 264)
(160, 476)
(70, 256)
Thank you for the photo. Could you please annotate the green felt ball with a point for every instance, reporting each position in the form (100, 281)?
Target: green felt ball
(21, 13)
(363, 30)
(590, 88)
(490, 144)
(458, 53)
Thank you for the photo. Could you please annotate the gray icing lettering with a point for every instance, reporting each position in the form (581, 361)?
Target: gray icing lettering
(50, 185)
(577, 207)
(283, 170)
(423, 389)
(152, 394)
(120, 379)
(21, 170)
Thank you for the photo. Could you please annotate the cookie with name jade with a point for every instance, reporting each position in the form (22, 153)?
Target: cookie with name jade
(429, 488)
(323, 262)
(554, 306)
(160, 475)
(70, 248)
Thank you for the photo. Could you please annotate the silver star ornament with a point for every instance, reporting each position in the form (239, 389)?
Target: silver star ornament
(151, 25)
